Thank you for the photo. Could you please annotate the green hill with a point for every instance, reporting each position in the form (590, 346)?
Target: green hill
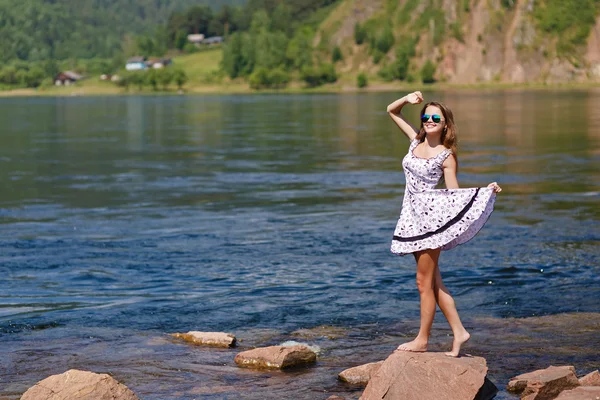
(34, 30)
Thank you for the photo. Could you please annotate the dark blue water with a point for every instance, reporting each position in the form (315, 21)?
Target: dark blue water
(126, 218)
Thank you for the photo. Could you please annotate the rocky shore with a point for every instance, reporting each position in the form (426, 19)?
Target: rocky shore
(402, 375)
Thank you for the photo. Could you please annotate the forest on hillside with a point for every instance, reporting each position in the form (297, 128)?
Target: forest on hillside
(35, 30)
(266, 42)
(41, 38)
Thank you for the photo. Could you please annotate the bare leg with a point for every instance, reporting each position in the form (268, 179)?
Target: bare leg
(448, 307)
(426, 265)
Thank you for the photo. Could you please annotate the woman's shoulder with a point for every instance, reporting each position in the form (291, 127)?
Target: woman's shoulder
(444, 155)
(415, 142)
(445, 160)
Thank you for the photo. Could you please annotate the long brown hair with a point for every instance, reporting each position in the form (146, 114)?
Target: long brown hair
(448, 139)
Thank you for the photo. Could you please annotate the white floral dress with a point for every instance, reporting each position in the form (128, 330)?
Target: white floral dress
(432, 218)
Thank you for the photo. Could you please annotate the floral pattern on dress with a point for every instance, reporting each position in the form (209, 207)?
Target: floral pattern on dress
(437, 218)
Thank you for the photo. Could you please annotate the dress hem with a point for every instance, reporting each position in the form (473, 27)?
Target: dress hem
(462, 235)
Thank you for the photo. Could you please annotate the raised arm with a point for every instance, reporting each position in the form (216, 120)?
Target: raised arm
(395, 112)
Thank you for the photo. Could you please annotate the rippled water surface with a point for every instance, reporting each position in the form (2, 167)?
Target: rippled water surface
(270, 216)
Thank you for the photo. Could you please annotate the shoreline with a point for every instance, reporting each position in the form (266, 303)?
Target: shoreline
(138, 355)
(296, 88)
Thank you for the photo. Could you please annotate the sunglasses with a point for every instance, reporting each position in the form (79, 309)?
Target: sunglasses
(435, 118)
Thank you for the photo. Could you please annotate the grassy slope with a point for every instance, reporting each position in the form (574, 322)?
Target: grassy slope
(199, 66)
(201, 69)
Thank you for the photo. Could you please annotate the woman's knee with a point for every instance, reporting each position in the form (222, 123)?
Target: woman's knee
(424, 283)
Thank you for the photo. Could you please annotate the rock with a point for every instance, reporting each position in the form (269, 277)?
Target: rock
(276, 357)
(544, 383)
(360, 375)
(323, 331)
(313, 348)
(591, 379)
(581, 393)
(428, 376)
(79, 385)
(217, 339)
(336, 397)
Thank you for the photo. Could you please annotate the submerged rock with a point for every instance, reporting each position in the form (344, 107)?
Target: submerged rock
(323, 331)
(289, 343)
(276, 357)
(217, 339)
(361, 374)
(591, 379)
(544, 383)
(79, 385)
(429, 376)
(581, 393)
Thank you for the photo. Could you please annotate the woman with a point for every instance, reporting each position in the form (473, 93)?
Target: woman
(432, 219)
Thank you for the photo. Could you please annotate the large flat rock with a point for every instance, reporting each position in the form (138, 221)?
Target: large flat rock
(429, 376)
(276, 357)
(544, 383)
(79, 385)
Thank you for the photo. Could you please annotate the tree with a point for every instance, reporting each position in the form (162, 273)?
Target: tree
(324, 73)
(336, 55)
(152, 78)
(299, 50)
(8, 75)
(281, 20)
(181, 39)
(124, 79)
(233, 62)
(180, 78)
(360, 33)
(279, 78)
(226, 19)
(34, 77)
(177, 27)
(259, 78)
(260, 22)
(265, 78)
(164, 77)
(145, 45)
(137, 78)
(198, 20)
(428, 72)
(400, 67)
(361, 80)
(385, 40)
(270, 50)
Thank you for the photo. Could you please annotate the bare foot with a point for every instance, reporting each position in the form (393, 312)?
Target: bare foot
(459, 340)
(416, 346)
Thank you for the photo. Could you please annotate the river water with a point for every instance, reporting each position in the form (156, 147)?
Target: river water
(124, 219)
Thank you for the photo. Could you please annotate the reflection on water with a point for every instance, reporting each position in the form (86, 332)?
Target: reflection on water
(125, 218)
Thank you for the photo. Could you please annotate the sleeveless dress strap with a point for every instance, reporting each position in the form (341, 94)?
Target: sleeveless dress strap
(414, 143)
(443, 155)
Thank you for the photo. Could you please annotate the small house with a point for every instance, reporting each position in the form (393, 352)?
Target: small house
(158, 63)
(136, 64)
(66, 78)
(213, 40)
(195, 38)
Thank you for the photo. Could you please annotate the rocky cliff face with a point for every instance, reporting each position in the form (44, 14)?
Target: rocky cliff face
(482, 41)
